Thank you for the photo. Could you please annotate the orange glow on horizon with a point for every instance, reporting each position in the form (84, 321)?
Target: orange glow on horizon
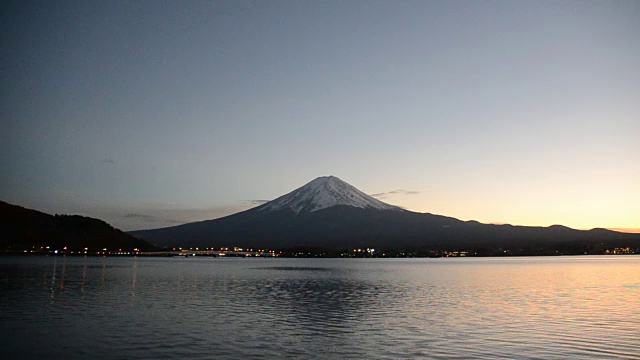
(523, 210)
(626, 230)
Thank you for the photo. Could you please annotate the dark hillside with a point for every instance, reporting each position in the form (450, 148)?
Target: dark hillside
(24, 229)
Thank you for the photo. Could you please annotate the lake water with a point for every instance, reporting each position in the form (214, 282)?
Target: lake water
(206, 308)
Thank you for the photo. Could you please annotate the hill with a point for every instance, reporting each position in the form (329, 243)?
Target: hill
(25, 229)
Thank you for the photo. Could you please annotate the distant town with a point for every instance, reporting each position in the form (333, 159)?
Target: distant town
(307, 252)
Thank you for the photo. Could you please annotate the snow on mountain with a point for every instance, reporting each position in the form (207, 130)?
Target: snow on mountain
(325, 192)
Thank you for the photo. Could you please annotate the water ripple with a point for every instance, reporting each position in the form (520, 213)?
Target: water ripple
(138, 308)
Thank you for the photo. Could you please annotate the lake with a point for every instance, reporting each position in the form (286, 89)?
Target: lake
(204, 308)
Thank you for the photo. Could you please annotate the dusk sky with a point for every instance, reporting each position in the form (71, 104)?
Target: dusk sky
(154, 113)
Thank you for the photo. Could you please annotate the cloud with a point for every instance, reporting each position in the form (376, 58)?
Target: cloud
(395, 192)
(151, 218)
(163, 215)
(405, 192)
(107, 161)
(139, 216)
(255, 202)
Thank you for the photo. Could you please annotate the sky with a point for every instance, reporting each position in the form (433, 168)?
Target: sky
(155, 113)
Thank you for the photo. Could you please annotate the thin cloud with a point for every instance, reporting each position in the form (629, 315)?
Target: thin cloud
(405, 192)
(151, 218)
(107, 161)
(139, 216)
(255, 202)
(395, 192)
(168, 215)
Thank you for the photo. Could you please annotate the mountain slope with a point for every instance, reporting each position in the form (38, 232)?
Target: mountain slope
(328, 212)
(24, 229)
(322, 193)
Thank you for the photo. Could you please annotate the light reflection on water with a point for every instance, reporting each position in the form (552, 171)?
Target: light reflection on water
(535, 308)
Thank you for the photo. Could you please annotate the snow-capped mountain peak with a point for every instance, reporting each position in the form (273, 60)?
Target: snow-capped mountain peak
(325, 192)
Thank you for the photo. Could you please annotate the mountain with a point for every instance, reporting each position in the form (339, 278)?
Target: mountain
(322, 193)
(328, 212)
(25, 229)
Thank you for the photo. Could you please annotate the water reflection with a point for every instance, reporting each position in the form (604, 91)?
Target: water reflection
(104, 271)
(134, 274)
(53, 278)
(64, 273)
(322, 302)
(227, 308)
(84, 278)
